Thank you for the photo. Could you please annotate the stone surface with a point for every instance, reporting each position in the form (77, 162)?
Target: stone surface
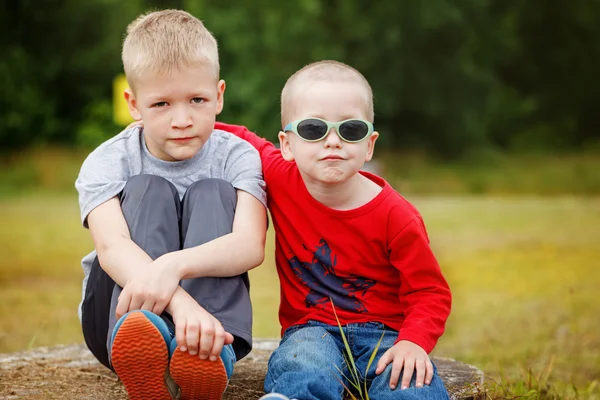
(71, 372)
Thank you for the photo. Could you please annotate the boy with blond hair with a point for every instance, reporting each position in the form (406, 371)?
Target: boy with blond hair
(345, 237)
(176, 210)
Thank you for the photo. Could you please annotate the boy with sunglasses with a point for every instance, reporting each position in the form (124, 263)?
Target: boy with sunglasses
(347, 244)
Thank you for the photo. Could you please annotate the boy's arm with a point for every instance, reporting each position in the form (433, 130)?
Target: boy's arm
(260, 144)
(113, 243)
(197, 331)
(231, 254)
(125, 262)
(243, 248)
(424, 293)
(425, 298)
(269, 154)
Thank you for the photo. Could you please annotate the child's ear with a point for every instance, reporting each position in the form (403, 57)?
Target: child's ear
(286, 148)
(220, 95)
(132, 104)
(371, 145)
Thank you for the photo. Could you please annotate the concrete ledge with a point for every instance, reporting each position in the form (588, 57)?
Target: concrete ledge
(71, 372)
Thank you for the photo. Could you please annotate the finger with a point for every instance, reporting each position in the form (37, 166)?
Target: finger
(159, 307)
(228, 338)
(409, 367)
(191, 337)
(123, 304)
(207, 336)
(383, 362)
(147, 305)
(429, 373)
(396, 369)
(136, 302)
(218, 343)
(420, 373)
(180, 336)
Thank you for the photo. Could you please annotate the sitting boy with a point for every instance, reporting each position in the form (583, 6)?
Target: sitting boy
(176, 212)
(344, 236)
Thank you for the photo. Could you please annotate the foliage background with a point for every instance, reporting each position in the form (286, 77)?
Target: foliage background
(452, 77)
(488, 122)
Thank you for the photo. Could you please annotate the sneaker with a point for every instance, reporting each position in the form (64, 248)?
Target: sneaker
(274, 396)
(140, 356)
(201, 379)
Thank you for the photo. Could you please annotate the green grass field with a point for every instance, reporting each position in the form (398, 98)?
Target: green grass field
(524, 272)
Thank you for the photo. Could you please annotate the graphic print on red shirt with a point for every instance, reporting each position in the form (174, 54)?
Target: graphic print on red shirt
(324, 284)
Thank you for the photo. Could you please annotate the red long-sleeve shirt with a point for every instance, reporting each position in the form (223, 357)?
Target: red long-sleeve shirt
(374, 261)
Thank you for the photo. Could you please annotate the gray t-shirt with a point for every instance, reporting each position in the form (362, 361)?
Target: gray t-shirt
(106, 170)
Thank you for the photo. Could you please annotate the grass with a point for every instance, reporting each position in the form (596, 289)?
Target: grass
(495, 174)
(489, 173)
(524, 271)
(357, 383)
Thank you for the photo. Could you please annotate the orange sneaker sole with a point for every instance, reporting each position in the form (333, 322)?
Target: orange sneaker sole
(196, 378)
(140, 359)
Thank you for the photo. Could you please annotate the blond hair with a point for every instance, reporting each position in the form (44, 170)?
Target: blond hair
(163, 41)
(327, 70)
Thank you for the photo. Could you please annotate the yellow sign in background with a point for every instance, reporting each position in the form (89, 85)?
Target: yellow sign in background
(121, 114)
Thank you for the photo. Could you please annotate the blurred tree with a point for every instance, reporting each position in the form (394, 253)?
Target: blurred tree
(555, 64)
(451, 77)
(59, 59)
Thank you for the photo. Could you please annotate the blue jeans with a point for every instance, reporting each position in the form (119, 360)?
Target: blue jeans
(308, 361)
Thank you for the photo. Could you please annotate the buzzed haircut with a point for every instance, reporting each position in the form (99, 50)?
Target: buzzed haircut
(326, 70)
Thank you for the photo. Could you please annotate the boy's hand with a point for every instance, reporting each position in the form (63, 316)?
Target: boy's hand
(151, 290)
(197, 331)
(411, 357)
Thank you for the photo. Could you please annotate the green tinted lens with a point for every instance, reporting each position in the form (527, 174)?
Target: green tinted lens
(354, 130)
(312, 129)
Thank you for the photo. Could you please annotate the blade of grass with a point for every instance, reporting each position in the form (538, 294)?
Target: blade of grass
(354, 381)
(373, 354)
(353, 371)
(549, 369)
(352, 396)
(354, 384)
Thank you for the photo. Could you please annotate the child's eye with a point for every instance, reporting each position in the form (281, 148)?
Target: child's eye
(197, 100)
(160, 104)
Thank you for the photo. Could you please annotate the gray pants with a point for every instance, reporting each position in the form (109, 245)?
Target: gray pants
(160, 223)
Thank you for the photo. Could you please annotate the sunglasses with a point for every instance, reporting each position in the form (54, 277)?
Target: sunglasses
(315, 129)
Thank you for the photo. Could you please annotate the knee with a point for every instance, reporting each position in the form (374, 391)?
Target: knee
(309, 347)
(213, 188)
(150, 189)
(211, 185)
(149, 185)
(306, 362)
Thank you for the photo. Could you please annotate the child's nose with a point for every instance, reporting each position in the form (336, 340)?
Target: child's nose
(181, 118)
(332, 139)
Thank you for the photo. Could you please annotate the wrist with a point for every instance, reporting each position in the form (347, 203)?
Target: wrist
(175, 265)
(176, 300)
